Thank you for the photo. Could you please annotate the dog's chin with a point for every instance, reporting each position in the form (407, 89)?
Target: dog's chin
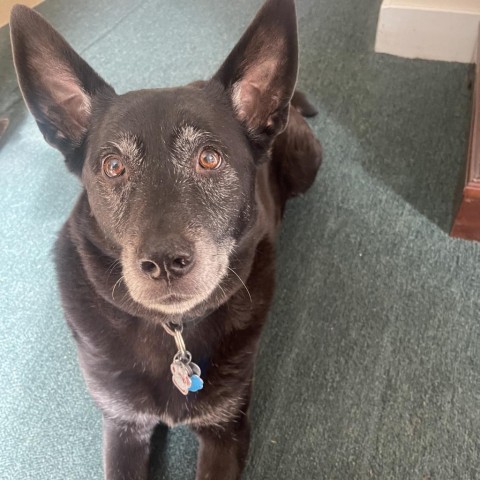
(176, 306)
(170, 304)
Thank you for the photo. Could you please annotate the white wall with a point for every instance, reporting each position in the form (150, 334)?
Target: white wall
(6, 6)
(430, 29)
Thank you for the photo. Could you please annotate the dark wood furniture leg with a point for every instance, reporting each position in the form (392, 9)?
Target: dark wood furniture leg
(467, 219)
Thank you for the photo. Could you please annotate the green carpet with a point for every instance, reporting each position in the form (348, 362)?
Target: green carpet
(370, 364)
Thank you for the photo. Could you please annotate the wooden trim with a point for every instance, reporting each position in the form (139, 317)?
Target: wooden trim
(473, 171)
(467, 220)
(6, 6)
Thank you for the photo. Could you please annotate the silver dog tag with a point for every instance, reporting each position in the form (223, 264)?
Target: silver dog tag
(186, 375)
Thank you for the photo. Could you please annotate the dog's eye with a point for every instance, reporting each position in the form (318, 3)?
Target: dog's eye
(209, 159)
(113, 166)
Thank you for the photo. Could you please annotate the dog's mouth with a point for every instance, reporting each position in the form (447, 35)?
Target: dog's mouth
(177, 295)
(174, 298)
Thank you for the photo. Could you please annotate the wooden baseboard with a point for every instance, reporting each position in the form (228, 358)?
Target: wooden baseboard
(467, 220)
(6, 6)
(429, 29)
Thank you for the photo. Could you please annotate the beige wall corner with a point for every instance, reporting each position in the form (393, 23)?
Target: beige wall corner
(6, 6)
(430, 29)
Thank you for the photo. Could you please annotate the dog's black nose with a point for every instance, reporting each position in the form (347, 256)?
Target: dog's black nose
(173, 258)
(150, 268)
(177, 265)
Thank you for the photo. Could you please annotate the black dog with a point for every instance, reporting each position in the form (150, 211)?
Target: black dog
(171, 244)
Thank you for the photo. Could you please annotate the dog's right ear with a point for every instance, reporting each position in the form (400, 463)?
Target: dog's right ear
(58, 86)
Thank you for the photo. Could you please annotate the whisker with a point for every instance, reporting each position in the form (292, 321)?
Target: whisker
(116, 283)
(221, 288)
(112, 267)
(233, 271)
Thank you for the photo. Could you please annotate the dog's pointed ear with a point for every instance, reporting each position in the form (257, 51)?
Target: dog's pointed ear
(261, 71)
(58, 86)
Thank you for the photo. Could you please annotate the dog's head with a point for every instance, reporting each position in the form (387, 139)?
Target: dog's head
(170, 174)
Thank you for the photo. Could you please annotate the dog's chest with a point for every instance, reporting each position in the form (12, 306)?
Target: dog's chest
(135, 385)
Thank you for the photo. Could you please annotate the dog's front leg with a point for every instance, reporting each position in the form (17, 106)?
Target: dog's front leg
(126, 450)
(223, 450)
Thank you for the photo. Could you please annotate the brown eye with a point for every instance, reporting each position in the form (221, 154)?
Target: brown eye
(209, 159)
(113, 166)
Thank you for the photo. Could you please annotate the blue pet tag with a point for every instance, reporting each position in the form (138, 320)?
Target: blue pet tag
(197, 383)
(195, 378)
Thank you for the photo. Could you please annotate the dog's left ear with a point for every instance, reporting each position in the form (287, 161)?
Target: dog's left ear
(261, 71)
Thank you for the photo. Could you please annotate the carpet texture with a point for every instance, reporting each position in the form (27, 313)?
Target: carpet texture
(369, 367)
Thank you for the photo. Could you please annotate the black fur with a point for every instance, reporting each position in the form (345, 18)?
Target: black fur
(169, 240)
